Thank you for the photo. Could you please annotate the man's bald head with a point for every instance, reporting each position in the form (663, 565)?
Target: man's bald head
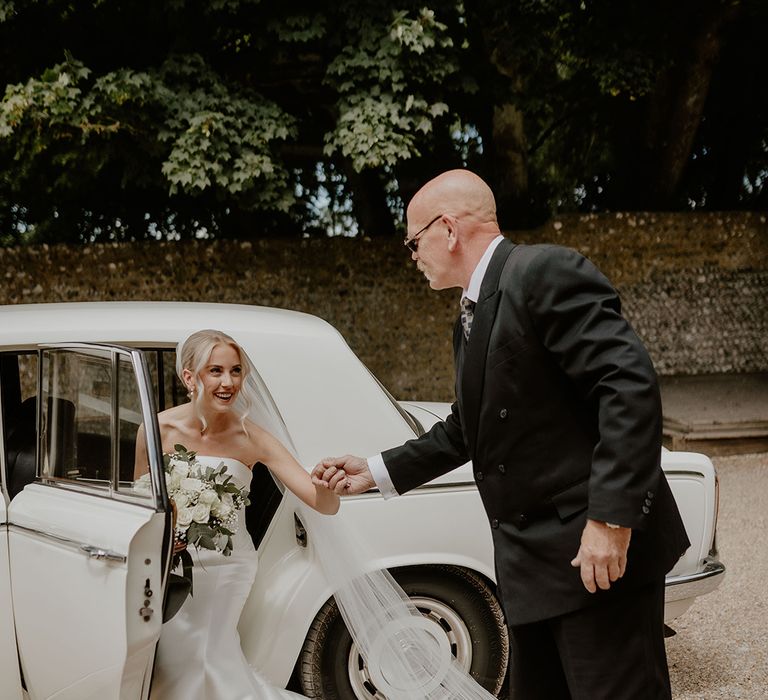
(458, 192)
(451, 222)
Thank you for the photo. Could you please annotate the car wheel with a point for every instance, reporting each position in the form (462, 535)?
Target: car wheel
(460, 601)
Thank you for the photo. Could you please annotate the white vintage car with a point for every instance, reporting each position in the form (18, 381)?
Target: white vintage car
(84, 557)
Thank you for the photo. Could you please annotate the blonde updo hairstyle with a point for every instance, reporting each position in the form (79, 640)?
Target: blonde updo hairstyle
(193, 355)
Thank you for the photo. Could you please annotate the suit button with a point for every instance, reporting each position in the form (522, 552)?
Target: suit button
(523, 519)
(502, 468)
(494, 523)
(648, 501)
(479, 476)
(649, 494)
(503, 413)
(646, 510)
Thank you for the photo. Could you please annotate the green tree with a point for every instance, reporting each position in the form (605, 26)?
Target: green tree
(246, 118)
(218, 122)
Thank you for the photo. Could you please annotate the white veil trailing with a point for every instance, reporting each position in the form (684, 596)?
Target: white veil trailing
(407, 655)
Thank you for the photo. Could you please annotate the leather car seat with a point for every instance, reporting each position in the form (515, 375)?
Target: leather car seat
(21, 443)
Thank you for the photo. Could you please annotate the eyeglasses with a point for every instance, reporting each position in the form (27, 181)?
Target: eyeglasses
(412, 243)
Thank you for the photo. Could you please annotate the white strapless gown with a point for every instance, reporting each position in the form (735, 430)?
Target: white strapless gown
(199, 655)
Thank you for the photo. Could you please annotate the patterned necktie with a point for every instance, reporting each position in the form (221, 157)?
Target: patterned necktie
(467, 314)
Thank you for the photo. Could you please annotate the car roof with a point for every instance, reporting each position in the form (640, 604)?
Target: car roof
(328, 399)
(135, 322)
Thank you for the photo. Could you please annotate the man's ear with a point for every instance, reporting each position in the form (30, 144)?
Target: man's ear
(453, 240)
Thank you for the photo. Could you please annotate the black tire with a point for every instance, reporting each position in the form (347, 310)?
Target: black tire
(324, 662)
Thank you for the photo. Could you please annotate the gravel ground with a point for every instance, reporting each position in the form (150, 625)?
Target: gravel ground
(721, 647)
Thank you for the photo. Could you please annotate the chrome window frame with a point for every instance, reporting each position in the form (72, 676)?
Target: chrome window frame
(159, 502)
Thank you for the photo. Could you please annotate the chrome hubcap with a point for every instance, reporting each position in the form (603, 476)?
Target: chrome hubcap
(438, 612)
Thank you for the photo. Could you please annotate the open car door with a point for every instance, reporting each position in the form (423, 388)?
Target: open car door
(88, 552)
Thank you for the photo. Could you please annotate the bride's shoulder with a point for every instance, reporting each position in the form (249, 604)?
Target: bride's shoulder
(260, 439)
(253, 430)
(174, 418)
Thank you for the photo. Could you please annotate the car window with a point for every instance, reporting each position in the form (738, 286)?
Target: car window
(174, 392)
(91, 413)
(169, 391)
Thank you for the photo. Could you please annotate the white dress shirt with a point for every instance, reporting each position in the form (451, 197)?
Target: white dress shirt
(376, 464)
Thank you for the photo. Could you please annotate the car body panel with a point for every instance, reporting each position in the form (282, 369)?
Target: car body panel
(106, 646)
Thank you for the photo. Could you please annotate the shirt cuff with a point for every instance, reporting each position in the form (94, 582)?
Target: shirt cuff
(381, 476)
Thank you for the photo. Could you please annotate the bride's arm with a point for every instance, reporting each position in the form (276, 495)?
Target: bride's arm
(285, 467)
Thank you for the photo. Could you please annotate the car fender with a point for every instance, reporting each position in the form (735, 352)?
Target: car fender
(409, 531)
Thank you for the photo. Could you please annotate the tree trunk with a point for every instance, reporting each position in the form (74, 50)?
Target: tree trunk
(676, 107)
(369, 203)
(510, 165)
(505, 142)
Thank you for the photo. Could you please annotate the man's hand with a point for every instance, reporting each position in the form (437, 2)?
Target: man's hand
(602, 555)
(358, 477)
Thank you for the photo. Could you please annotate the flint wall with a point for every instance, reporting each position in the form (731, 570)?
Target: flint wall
(695, 287)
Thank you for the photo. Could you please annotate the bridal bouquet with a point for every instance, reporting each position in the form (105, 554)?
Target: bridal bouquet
(205, 503)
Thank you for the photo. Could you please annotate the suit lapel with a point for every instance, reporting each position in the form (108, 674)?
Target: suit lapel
(472, 368)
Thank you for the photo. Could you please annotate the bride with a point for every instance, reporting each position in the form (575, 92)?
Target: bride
(199, 655)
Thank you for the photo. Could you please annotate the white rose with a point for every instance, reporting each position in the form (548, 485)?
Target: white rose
(183, 518)
(201, 513)
(180, 468)
(208, 497)
(191, 485)
(221, 510)
(181, 500)
(174, 481)
(224, 507)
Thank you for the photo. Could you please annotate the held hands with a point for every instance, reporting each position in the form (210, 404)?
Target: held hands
(602, 555)
(345, 475)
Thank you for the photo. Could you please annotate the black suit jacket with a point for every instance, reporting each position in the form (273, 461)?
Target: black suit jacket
(559, 409)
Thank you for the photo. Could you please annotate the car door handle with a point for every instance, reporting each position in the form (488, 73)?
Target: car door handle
(94, 552)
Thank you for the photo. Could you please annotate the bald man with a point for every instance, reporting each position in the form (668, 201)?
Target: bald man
(558, 408)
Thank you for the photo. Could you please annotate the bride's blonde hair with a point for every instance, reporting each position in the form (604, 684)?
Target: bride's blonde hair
(194, 353)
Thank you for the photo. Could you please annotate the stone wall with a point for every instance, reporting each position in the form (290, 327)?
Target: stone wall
(695, 286)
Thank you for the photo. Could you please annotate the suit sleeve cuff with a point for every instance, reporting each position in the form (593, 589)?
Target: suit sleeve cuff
(381, 476)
